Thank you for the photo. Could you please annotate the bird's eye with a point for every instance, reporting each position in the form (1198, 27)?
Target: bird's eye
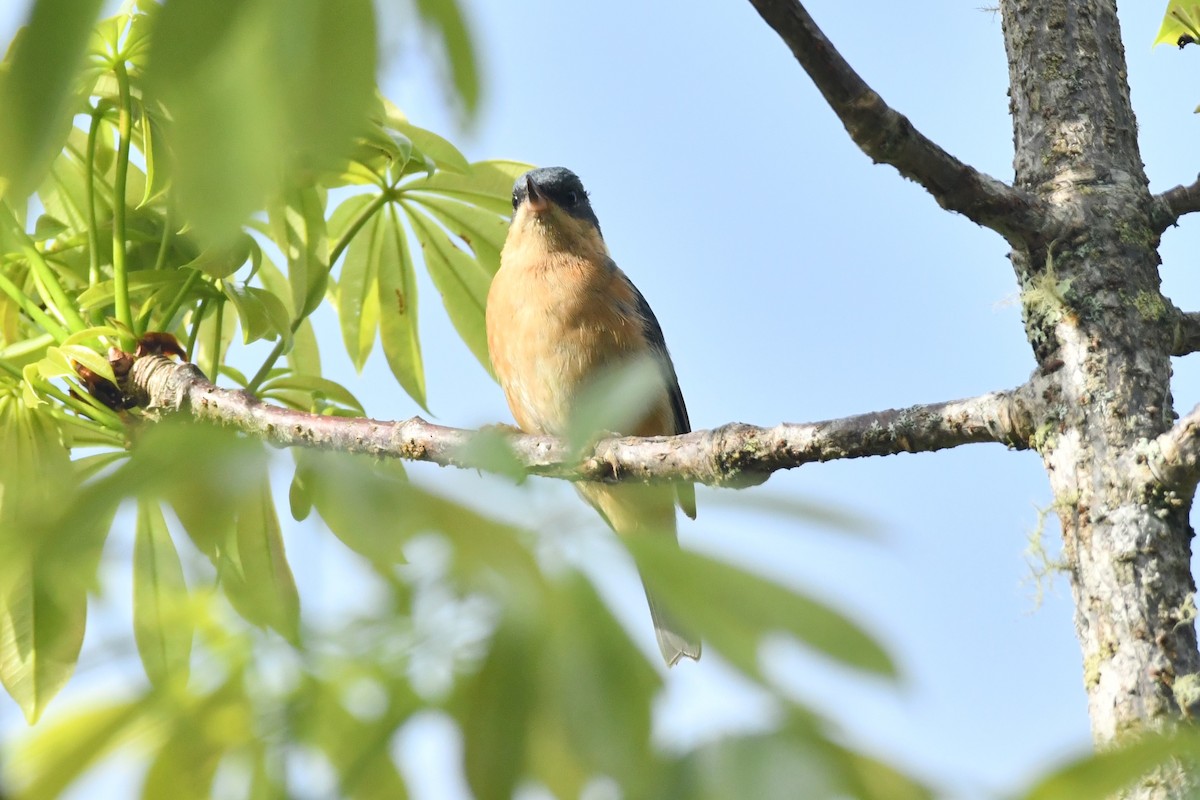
(572, 199)
(516, 201)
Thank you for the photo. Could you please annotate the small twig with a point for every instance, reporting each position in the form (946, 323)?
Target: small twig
(887, 136)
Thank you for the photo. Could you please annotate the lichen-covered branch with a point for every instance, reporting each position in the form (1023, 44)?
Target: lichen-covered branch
(1173, 458)
(732, 455)
(1187, 333)
(887, 136)
(1172, 204)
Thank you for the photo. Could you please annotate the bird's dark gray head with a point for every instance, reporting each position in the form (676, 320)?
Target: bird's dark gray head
(557, 185)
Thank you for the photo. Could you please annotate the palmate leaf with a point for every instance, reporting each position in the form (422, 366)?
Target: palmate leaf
(43, 602)
(37, 79)
(260, 93)
(1182, 19)
(460, 279)
(733, 609)
(254, 569)
(162, 627)
(359, 750)
(397, 290)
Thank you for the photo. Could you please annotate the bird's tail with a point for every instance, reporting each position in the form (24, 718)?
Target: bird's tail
(673, 639)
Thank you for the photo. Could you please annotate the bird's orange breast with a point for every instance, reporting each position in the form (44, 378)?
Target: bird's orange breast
(553, 319)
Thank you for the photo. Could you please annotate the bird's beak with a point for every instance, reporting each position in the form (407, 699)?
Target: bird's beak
(534, 198)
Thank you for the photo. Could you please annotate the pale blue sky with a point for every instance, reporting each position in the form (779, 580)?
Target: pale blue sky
(796, 281)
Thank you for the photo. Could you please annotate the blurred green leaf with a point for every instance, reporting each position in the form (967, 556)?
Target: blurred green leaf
(298, 227)
(617, 399)
(444, 154)
(63, 748)
(356, 500)
(497, 704)
(444, 19)
(221, 261)
(262, 94)
(1109, 772)
(602, 686)
(200, 735)
(397, 288)
(255, 572)
(733, 609)
(490, 450)
(37, 83)
(358, 749)
(43, 605)
(460, 279)
(797, 509)
(162, 626)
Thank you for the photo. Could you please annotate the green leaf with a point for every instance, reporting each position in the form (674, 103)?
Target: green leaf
(397, 288)
(304, 357)
(602, 686)
(221, 261)
(261, 94)
(617, 399)
(162, 626)
(322, 388)
(255, 572)
(43, 601)
(37, 79)
(483, 231)
(186, 763)
(733, 609)
(1182, 19)
(461, 280)
(356, 499)
(444, 19)
(498, 703)
(1108, 773)
(261, 313)
(358, 290)
(488, 185)
(298, 227)
(359, 750)
(63, 749)
(444, 154)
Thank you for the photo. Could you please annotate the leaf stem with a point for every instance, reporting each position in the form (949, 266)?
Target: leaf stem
(215, 366)
(39, 317)
(120, 268)
(93, 227)
(177, 301)
(356, 225)
(47, 282)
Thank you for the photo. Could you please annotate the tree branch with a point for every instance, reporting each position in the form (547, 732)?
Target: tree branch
(1172, 459)
(1172, 204)
(732, 455)
(887, 136)
(1186, 338)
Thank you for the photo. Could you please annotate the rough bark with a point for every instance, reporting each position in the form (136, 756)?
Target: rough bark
(1094, 314)
(1085, 232)
(732, 455)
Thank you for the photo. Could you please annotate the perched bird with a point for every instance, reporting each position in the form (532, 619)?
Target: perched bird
(559, 311)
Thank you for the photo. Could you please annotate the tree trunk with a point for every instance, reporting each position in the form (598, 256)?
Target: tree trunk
(1097, 321)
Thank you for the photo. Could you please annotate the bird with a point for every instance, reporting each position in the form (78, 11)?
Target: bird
(559, 313)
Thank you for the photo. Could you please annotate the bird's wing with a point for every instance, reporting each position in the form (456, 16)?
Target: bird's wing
(658, 344)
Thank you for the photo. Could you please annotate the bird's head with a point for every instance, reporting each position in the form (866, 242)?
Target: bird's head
(552, 204)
